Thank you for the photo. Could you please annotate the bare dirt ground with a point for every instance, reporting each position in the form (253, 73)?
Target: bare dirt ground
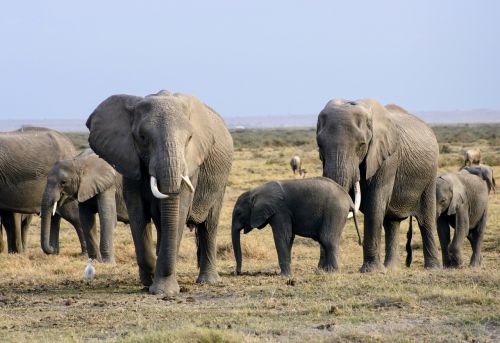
(44, 298)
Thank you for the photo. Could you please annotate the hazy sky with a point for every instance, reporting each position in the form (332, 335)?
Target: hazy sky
(59, 59)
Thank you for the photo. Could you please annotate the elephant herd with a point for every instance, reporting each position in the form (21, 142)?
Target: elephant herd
(164, 159)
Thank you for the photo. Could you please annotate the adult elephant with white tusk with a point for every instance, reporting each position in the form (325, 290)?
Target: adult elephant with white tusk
(388, 158)
(174, 153)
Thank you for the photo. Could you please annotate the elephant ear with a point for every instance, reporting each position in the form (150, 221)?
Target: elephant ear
(202, 141)
(111, 137)
(458, 196)
(266, 201)
(96, 176)
(384, 136)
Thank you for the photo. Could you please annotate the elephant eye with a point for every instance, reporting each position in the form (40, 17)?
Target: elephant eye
(63, 182)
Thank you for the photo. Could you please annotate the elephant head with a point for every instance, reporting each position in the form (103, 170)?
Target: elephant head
(450, 194)
(79, 179)
(253, 209)
(162, 138)
(354, 139)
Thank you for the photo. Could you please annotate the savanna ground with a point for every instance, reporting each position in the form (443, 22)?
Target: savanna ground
(44, 298)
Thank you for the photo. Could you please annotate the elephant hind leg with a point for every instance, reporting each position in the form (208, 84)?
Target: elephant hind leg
(12, 224)
(391, 228)
(476, 239)
(427, 223)
(25, 224)
(207, 246)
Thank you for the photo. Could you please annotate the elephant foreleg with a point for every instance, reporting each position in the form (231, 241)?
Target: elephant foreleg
(87, 218)
(443, 228)
(391, 228)
(461, 231)
(70, 212)
(106, 205)
(141, 227)
(283, 240)
(476, 239)
(207, 246)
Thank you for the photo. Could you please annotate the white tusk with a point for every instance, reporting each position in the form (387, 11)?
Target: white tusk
(54, 209)
(357, 196)
(188, 182)
(154, 188)
(357, 199)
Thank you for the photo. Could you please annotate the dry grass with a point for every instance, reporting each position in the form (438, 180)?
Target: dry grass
(43, 298)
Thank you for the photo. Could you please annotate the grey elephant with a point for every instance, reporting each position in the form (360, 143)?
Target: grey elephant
(10, 220)
(97, 188)
(296, 164)
(175, 154)
(462, 203)
(26, 156)
(472, 157)
(387, 159)
(316, 208)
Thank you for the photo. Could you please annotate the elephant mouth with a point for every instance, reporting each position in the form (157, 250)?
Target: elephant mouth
(159, 195)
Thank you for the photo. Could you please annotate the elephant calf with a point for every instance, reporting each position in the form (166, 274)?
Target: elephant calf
(98, 189)
(462, 202)
(316, 208)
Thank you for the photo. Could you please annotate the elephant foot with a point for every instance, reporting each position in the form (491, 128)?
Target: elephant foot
(433, 263)
(329, 268)
(392, 264)
(286, 274)
(373, 266)
(167, 286)
(208, 277)
(146, 278)
(455, 262)
(475, 262)
(108, 260)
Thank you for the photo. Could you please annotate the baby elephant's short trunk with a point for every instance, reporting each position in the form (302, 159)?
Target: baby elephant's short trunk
(236, 232)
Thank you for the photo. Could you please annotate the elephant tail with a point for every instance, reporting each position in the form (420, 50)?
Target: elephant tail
(356, 225)
(409, 250)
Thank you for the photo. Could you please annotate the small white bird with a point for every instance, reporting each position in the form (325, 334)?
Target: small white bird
(89, 271)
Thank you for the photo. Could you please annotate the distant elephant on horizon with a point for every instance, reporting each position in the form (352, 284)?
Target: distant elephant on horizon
(296, 164)
(26, 156)
(387, 160)
(472, 157)
(98, 189)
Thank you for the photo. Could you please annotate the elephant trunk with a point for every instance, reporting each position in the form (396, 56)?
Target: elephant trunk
(345, 171)
(49, 204)
(340, 168)
(169, 221)
(235, 234)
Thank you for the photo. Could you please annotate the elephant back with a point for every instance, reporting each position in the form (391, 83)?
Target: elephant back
(29, 153)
